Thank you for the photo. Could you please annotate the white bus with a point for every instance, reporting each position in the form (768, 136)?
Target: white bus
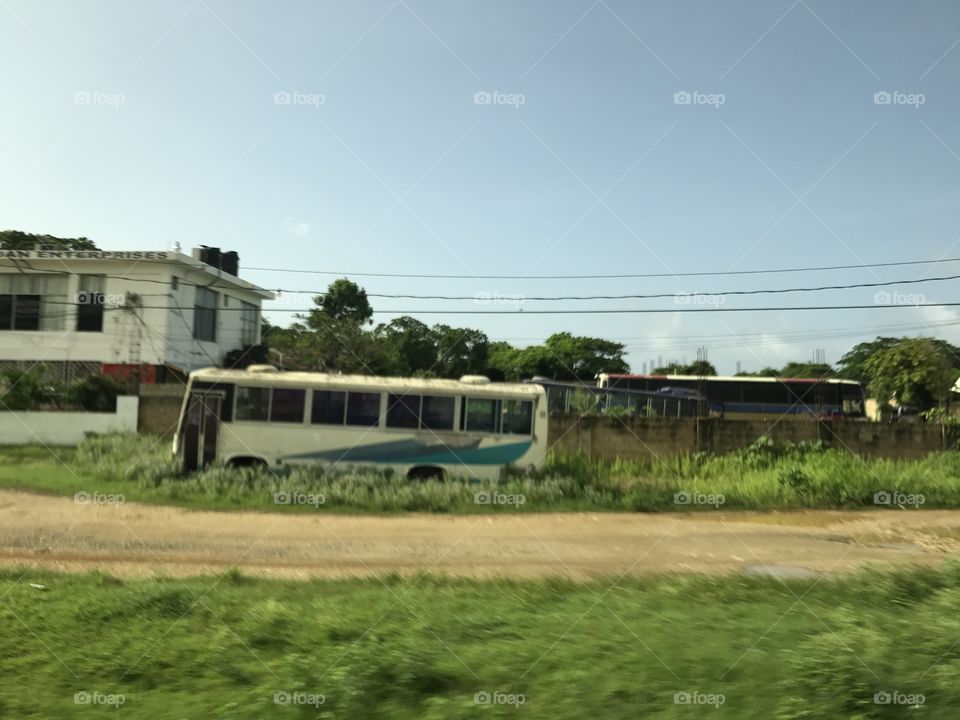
(420, 428)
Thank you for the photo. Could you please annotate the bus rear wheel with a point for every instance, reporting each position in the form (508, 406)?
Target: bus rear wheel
(425, 473)
(250, 462)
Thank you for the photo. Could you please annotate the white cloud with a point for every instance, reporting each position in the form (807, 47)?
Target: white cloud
(297, 227)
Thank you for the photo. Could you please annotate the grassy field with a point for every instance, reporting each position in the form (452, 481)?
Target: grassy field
(230, 647)
(763, 477)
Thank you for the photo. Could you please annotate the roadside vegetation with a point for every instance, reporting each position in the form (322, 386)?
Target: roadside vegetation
(230, 647)
(764, 476)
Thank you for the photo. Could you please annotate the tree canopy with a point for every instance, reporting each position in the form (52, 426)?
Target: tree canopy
(17, 240)
(702, 368)
(914, 371)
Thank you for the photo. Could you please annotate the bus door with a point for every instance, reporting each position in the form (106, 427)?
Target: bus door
(201, 430)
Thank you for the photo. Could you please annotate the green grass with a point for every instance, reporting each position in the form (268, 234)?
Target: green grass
(763, 477)
(221, 647)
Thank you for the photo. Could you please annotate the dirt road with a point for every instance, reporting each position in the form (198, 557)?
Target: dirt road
(138, 540)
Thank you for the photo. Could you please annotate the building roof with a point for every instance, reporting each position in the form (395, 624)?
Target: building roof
(134, 257)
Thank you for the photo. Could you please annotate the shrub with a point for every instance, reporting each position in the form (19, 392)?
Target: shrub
(94, 393)
(24, 389)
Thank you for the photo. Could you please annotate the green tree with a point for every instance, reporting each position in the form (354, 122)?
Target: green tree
(570, 357)
(853, 365)
(914, 371)
(17, 240)
(806, 370)
(345, 300)
(408, 347)
(460, 351)
(698, 367)
(762, 372)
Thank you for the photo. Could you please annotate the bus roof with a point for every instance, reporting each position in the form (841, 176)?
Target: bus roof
(397, 384)
(735, 378)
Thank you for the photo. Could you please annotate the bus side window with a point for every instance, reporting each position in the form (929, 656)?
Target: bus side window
(253, 403)
(287, 405)
(363, 409)
(329, 407)
(482, 415)
(517, 417)
(403, 411)
(437, 413)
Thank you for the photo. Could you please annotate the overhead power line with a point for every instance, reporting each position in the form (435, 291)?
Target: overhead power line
(651, 296)
(215, 284)
(608, 276)
(600, 311)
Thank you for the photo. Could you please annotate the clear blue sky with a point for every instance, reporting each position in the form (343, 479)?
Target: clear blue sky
(399, 170)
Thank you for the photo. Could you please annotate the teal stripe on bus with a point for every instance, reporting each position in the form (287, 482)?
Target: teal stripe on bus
(407, 452)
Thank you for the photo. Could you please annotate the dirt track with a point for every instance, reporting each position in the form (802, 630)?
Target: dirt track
(134, 539)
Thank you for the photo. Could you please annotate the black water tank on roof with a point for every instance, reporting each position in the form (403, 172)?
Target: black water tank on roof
(210, 255)
(230, 263)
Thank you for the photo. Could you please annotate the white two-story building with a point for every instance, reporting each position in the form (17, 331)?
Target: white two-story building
(150, 315)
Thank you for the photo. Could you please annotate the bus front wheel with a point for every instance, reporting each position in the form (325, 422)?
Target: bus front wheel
(425, 473)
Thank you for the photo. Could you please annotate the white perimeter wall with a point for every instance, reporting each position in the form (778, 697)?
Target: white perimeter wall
(66, 428)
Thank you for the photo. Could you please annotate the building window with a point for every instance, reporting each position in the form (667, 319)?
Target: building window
(205, 315)
(19, 312)
(90, 301)
(249, 323)
(226, 301)
(33, 301)
(175, 283)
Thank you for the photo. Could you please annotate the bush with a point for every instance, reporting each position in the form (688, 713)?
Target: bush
(94, 393)
(25, 389)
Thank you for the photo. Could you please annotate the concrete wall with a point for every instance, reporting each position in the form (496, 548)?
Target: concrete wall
(639, 438)
(66, 428)
(160, 408)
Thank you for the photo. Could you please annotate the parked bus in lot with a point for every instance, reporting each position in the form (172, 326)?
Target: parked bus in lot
(578, 397)
(746, 397)
(421, 428)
